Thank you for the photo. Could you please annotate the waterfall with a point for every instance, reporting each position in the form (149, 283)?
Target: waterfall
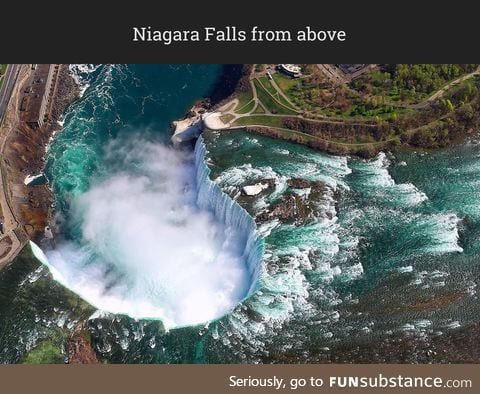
(201, 254)
(211, 197)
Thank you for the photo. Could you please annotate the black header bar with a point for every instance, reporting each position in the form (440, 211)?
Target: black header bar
(375, 31)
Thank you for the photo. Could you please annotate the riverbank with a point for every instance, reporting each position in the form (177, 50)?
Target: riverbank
(233, 79)
(26, 205)
(389, 266)
(30, 198)
(81, 152)
(353, 118)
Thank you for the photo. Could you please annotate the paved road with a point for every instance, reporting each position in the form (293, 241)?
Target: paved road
(442, 91)
(10, 224)
(7, 87)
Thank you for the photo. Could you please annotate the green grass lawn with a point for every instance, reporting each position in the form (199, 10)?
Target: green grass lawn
(259, 110)
(244, 98)
(269, 102)
(287, 134)
(275, 122)
(282, 100)
(285, 83)
(227, 118)
(263, 120)
(45, 353)
(267, 84)
(246, 108)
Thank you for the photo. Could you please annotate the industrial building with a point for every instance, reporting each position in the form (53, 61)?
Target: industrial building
(38, 96)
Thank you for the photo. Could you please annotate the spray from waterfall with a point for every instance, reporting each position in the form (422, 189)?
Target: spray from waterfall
(158, 239)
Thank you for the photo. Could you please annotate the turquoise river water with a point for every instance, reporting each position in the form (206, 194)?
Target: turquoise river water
(174, 270)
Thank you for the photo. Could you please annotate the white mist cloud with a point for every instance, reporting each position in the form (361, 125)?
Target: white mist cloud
(146, 250)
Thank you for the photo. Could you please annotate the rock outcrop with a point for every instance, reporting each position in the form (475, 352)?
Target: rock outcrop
(79, 347)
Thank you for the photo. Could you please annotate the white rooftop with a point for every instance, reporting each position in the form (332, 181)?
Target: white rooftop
(292, 68)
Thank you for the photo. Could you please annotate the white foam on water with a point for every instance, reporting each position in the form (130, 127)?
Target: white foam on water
(452, 325)
(405, 269)
(353, 272)
(377, 181)
(281, 186)
(335, 166)
(410, 194)
(422, 323)
(284, 289)
(234, 178)
(286, 292)
(80, 74)
(253, 141)
(407, 327)
(427, 279)
(416, 282)
(246, 173)
(303, 192)
(266, 228)
(442, 230)
(418, 326)
(318, 167)
(99, 314)
(281, 151)
(284, 296)
(33, 276)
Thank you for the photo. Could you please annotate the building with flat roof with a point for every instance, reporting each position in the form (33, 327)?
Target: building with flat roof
(291, 69)
(351, 68)
(37, 101)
